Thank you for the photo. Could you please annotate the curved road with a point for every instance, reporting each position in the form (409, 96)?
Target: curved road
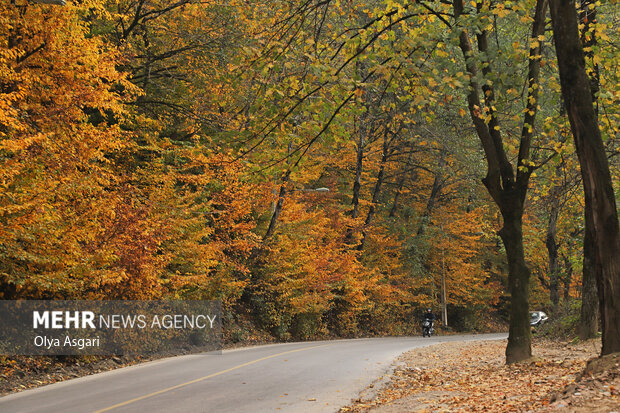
(319, 376)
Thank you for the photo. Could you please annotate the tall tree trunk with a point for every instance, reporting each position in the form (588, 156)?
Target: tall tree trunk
(568, 277)
(364, 134)
(435, 192)
(597, 183)
(359, 164)
(401, 184)
(552, 252)
(376, 191)
(519, 333)
(588, 319)
(357, 184)
(277, 210)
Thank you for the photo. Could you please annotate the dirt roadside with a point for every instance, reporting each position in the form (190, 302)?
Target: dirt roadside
(473, 377)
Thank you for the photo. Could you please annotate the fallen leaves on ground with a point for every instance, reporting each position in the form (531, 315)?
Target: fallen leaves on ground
(26, 372)
(473, 377)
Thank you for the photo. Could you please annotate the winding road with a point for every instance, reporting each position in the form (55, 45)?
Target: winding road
(318, 376)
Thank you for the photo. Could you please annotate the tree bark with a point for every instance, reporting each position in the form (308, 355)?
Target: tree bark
(278, 208)
(598, 187)
(552, 252)
(588, 319)
(357, 184)
(520, 341)
(359, 164)
(401, 184)
(435, 192)
(376, 191)
(568, 277)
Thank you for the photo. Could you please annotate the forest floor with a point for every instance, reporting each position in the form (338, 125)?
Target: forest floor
(473, 377)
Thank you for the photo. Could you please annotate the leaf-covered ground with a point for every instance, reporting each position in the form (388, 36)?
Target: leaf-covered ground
(472, 377)
(21, 373)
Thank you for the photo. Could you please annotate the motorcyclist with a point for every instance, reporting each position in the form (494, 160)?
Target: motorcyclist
(428, 315)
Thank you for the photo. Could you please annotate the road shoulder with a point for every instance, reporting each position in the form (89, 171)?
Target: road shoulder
(472, 376)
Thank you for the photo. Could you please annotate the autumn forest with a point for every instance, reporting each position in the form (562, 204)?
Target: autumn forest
(323, 167)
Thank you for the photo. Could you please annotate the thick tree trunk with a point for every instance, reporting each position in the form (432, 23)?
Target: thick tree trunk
(519, 335)
(588, 320)
(598, 188)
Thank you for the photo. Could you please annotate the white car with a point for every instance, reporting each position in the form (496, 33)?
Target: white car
(537, 318)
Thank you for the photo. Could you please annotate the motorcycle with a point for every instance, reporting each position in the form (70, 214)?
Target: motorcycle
(427, 328)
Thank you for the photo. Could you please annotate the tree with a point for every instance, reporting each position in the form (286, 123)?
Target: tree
(507, 189)
(589, 318)
(601, 209)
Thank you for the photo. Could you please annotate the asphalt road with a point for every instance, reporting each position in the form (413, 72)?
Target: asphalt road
(319, 376)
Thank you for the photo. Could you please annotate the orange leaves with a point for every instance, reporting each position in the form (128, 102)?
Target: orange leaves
(457, 250)
(118, 142)
(473, 377)
(52, 75)
(90, 213)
